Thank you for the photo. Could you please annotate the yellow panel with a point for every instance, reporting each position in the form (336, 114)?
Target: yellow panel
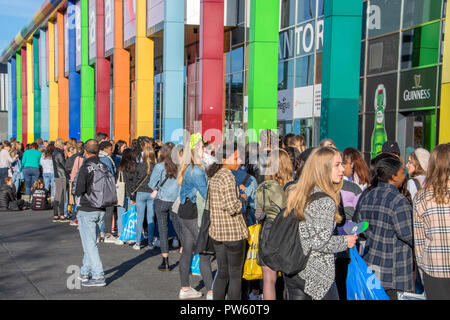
(446, 53)
(444, 117)
(144, 74)
(30, 94)
(52, 86)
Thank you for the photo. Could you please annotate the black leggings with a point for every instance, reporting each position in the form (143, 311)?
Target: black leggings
(436, 288)
(295, 286)
(230, 261)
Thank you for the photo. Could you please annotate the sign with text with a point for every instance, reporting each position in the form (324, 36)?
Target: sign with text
(418, 88)
(129, 22)
(78, 36)
(285, 104)
(155, 16)
(300, 41)
(92, 31)
(109, 27)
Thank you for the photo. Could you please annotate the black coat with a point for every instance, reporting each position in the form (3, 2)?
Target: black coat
(59, 164)
(7, 197)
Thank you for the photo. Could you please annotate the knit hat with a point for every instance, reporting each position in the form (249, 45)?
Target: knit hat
(422, 156)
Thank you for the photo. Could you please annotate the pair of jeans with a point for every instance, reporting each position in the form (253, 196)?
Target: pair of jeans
(436, 288)
(163, 210)
(3, 174)
(190, 231)
(49, 183)
(145, 202)
(296, 286)
(120, 211)
(89, 224)
(230, 261)
(31, 174)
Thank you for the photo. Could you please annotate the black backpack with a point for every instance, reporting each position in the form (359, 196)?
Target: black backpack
(281, 250)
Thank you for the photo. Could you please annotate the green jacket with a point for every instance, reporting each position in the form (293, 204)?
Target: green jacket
(271, 197)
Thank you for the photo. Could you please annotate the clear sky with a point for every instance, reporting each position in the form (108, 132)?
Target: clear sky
(14, 15)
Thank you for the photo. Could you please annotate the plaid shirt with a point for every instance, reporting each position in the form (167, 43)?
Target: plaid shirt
(432, 235)
(227, 222)
(388, 250)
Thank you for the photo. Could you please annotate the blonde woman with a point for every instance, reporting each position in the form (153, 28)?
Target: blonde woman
(192, 179)
(323, 172)
(432, 225)
(270, 200)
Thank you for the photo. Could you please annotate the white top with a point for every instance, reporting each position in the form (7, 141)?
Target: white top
(5, 159)
(411, 186)
(47, 165)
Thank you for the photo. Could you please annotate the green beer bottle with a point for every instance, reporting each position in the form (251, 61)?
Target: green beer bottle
(379, 136)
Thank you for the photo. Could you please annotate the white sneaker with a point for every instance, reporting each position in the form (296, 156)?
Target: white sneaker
(137, 247)
(156, 243)
(119, 242)
(150, 246)
(189, 294)
(175, 243)
(110, 239)
(209, 296)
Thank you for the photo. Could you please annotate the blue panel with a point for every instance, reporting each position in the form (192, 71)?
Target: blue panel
(74, 80)
(9, 102)
(169, 129)
(44, 89)
(173, 68)
(14, 97)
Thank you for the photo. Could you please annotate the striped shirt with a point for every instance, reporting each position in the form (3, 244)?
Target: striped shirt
(227, 222)
(432, 234)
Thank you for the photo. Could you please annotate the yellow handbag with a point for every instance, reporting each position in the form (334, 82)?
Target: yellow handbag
(252, 270)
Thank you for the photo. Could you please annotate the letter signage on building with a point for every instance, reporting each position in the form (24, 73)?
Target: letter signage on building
(155, 16)
(302, 40)
(109, 27)
(78, 35)
(418, 88)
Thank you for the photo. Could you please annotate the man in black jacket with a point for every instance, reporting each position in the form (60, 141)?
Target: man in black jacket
(89, 219)
(61, 178)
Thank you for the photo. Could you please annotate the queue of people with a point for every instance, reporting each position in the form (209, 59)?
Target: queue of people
(175, 189)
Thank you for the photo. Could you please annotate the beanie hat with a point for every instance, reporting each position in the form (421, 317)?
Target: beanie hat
(422, 156)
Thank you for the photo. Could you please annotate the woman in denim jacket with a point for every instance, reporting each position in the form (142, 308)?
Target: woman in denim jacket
(164, 180)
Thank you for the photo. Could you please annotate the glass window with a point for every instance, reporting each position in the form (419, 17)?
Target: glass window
(286, 75)
(416, 12)
(364, 21)
(237, 59)
(238, 35)
(236, 100)
(383, 54)
(287, 13)
(306, 10)
(321, 9)
(444, 9)
(420, 46)
(241, 11)
(383, 17)
(304, 71)
(363, 58)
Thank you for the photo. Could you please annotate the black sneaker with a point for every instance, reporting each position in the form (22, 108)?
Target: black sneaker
(164, 266)
(94, 283)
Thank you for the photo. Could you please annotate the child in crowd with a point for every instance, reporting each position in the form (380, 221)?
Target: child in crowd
(39, 196)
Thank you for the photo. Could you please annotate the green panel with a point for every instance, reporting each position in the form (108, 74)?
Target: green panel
(340, 73)
(339, 59)
(37, 89)
(426, 45)
(263, 65)
(430, 131)
(87, 79)
(19, 96)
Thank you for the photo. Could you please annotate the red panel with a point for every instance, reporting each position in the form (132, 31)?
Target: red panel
(102, 77)
(211, 64)
(23, 55)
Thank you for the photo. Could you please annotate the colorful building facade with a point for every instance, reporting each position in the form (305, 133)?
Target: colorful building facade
(153, 67)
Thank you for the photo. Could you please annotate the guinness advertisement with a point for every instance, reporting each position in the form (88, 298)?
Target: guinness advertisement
(418, 88)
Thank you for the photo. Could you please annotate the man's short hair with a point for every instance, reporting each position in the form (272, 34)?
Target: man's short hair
(91, 147)
(105, 144)
(100, 136)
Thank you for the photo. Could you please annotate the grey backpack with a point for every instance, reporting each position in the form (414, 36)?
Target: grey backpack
(103, 190)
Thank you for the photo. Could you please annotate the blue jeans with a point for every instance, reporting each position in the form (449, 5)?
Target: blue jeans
(120, 211)
(3, 174)
(88, 224)
(49, 183)
(31, 174)
(144, 201)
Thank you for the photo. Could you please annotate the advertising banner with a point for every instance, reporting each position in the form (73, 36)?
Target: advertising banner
(285, 104)
(129, 22)
(78, 35)
(155, 16)
(92, 31)
(418, 88)
(109, 27)
(66, 45)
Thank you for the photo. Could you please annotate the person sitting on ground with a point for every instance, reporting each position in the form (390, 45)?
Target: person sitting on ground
(8, 198)
(39, 196)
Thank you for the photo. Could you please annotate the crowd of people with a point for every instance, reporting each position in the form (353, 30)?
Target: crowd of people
(182, 193)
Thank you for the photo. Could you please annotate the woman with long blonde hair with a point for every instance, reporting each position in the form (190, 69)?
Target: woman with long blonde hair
(270, 201)
(432, 225)
(314, 201)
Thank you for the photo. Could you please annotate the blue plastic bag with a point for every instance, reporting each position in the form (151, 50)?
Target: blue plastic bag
(195, 265)
(362, 283)
(129, 220)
